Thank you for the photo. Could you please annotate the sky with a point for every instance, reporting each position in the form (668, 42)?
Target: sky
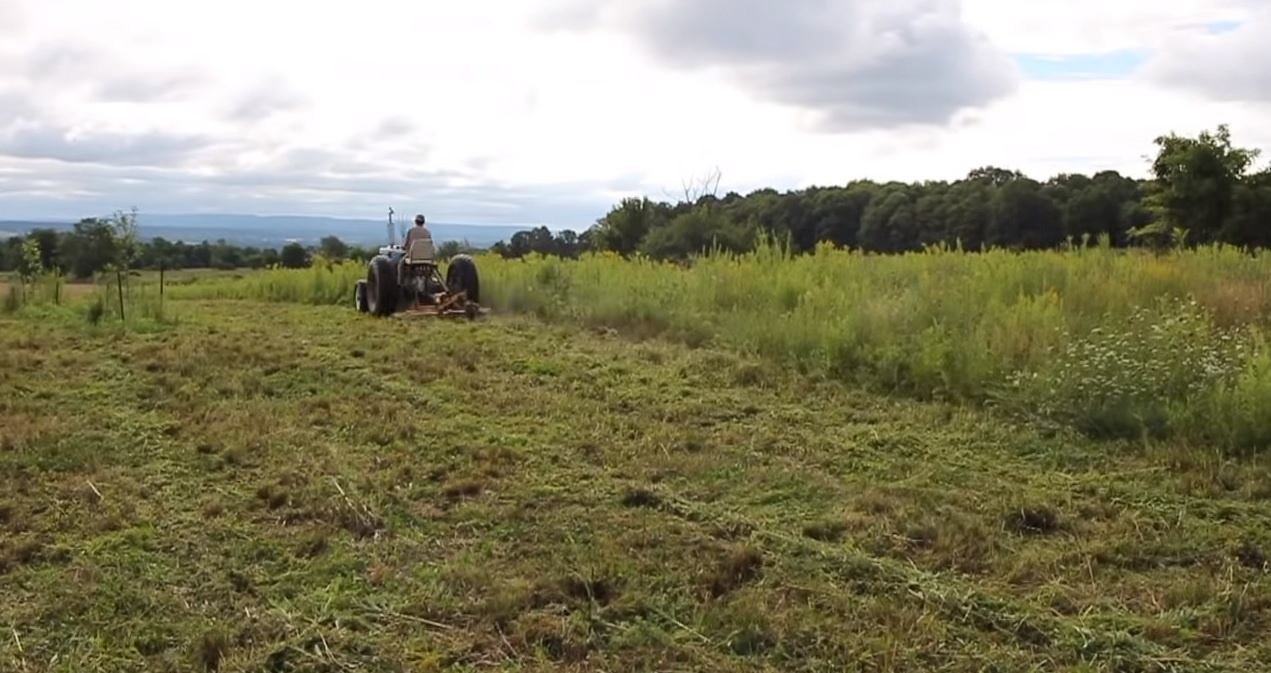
(549, 111)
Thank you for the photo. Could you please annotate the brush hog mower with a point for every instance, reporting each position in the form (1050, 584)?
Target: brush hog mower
(409, 283)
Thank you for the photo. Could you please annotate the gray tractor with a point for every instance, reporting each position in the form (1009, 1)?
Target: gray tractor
(409, 282)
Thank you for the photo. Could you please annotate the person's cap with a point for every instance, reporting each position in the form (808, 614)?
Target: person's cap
(419, 219)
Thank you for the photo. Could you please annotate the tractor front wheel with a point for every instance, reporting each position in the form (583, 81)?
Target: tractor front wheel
(359, 296)
(381, 287)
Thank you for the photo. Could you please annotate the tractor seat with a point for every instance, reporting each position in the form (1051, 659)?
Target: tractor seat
(421, 253)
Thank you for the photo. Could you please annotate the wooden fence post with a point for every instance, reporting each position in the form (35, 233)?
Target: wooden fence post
(119, 279)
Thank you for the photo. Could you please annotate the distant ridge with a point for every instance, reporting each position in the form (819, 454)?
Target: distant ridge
(278, 230)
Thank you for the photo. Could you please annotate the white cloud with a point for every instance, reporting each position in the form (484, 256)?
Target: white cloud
(852, 65)
(1059, 127)
(1097, 26)
(1225, 66)
(471, 111)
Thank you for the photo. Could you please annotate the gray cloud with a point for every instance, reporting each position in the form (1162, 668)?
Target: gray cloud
(12, 18)
(396, 134)
(149, 88)
(15, 105)
(103, 77)
(52, 170)
(479, 164)
(62, 66)
(265, 100)
(394, 128)
(58, 62)
(307, 181)
(1219, 67)
(856, 64)
(26, 140)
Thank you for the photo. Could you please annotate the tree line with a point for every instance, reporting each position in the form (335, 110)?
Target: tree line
(94, 244)
(1201, 190)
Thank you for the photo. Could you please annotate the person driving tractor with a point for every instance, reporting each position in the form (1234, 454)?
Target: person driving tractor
(419, 232)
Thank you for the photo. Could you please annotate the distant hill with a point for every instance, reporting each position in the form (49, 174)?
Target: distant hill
(277, 230)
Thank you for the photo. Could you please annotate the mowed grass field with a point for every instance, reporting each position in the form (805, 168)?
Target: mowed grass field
(231, 484)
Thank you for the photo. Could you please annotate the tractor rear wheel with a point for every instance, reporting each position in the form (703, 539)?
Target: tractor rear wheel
(381, 287)
(461, 276)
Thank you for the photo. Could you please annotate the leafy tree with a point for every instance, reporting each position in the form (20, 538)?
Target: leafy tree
(1197, 180)
(625, 226)
(332, 247)
(31, 263)
(125, 238)
(294, 256)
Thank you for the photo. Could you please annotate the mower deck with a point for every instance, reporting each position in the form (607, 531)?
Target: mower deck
(447, 306)
(426, 311)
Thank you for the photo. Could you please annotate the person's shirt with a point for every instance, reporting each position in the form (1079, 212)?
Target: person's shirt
(415, 234)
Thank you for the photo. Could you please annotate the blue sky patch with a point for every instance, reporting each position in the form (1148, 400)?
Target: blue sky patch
(1109, 65)
(1220, 27)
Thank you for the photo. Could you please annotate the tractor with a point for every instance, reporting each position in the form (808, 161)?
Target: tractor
(409, 282)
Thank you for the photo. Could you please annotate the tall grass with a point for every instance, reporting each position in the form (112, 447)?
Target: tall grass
(45, 288)
(325, 282)
(1116, 343)
(141, 305)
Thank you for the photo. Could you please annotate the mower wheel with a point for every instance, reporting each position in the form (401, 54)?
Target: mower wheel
(461, 276)
(381, 286)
